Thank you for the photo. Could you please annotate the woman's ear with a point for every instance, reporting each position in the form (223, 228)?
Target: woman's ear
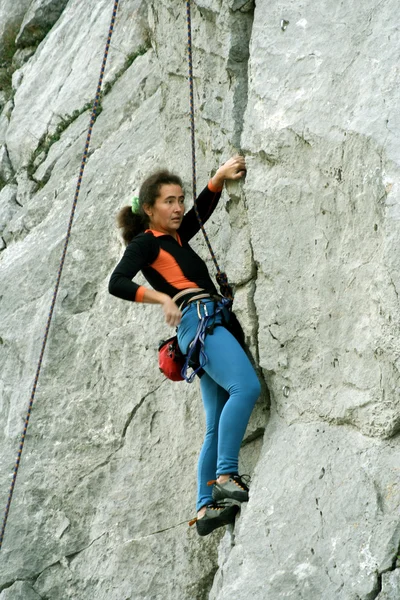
(147, 209)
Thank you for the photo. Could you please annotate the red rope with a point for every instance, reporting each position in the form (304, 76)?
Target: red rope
(78, 186)
(222, 278)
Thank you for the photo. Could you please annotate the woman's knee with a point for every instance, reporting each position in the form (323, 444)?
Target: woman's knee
(250, 389)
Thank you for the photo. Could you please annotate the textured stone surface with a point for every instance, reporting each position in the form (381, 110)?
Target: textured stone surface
(322, 189)
(390, 586)
(6, 171)
(322, 521)
(38, 20)
(310, 241)
(11, 17)
(63, 73)
(21, 589)
(8, 205)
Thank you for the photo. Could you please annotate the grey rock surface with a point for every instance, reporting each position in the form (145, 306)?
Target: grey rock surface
(310, 239)
(20, 589)
(38, 20)
(309, 530)
(390, 586)
(11, 16)
(6, 172)
(8, 205)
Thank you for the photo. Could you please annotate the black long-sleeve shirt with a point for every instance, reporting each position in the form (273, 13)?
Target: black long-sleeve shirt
(168, 265)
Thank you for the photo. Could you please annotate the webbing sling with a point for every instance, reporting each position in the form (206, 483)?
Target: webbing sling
(78, 186)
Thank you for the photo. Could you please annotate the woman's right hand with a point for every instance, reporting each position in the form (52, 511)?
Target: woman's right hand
(171, 312)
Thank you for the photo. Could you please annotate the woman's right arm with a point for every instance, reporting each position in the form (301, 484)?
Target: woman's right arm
(137, 255)
(172, 313)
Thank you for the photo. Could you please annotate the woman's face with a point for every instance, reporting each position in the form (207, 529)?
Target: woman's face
(167, 212)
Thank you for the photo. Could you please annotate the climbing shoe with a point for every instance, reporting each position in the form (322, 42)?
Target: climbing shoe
(217, 515)
(234, 489)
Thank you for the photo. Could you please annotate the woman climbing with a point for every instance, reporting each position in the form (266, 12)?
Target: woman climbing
(157, 233)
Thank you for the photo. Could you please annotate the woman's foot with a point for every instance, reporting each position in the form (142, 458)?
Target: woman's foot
(214, 515)
(230, 487)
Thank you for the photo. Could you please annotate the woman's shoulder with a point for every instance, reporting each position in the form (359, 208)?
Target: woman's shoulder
(146, 238)
(145, 243)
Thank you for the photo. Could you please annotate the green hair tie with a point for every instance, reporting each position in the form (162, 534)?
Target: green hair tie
(135, 204)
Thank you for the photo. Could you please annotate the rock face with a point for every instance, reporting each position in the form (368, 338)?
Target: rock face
(310, 95)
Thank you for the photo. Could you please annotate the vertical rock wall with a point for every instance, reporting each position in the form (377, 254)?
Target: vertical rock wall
(107, 480)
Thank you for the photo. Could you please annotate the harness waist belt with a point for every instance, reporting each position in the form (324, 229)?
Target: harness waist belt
(194, 294)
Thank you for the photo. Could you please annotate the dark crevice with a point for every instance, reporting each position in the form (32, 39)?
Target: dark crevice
(255, 435)
(256, 330)
(245, 281)
(379, 585)
(238, 63)
(7, 51)
(200, 590)
(377, 590)
(35, 32)
(272, 335)
(8, 584)
(8, 170)
(253, 307)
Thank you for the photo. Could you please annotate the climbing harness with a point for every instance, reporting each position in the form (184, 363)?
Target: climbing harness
(196, 352)
(78, 186)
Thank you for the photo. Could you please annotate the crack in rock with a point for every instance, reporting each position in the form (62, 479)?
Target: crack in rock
(104, 463)
(143, 537)
(238, 66)
(8, 584)
(22, 581)
(68, 557)
(107, 460)
(135, 409)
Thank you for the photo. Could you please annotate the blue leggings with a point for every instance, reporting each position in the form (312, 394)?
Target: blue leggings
(229, 388)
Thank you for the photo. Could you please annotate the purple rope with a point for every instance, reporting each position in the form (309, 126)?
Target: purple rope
(78, 187)
(222, 278)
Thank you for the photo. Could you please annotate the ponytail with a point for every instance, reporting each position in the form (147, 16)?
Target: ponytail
(130, 223)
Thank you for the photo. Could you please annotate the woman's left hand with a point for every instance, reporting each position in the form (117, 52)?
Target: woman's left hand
(234, 168)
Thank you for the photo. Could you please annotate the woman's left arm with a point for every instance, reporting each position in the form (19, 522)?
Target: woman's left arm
(233, 169)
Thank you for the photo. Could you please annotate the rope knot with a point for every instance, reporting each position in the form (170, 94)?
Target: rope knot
(225, 288)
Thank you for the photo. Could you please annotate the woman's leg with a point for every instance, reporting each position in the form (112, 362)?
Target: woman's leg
(230, 368)
(214, 399)
(228, 374)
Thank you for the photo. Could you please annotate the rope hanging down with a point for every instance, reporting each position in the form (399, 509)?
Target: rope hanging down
(78, 186)
(222, 278)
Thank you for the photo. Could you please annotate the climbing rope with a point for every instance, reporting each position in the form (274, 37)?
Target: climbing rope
(78, 186)
(222, 279)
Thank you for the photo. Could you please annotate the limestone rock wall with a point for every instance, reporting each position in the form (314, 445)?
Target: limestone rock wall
(310, 94)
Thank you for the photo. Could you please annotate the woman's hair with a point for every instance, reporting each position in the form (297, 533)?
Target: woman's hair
(132, 223)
